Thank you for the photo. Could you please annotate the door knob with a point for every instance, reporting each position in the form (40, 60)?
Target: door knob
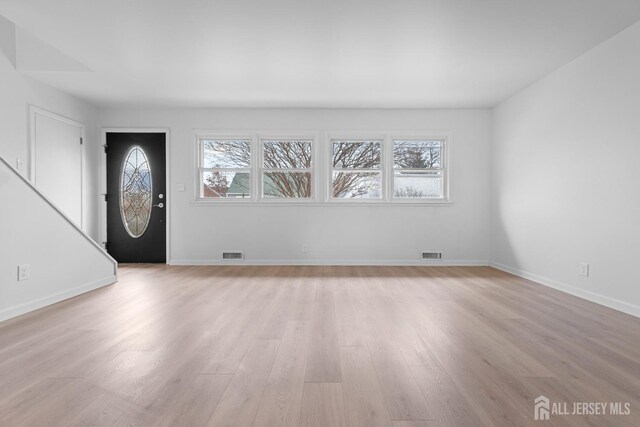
(159, 205)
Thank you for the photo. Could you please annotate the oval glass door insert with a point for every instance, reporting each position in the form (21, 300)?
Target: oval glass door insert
(135, 192)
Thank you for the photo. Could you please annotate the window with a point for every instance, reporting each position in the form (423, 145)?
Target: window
(418, 169)
(356, 169)
(225, 168)
(378, 168)
(286, 168)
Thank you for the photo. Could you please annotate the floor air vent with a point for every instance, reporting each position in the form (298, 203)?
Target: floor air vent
(431, 255)
(233, 255)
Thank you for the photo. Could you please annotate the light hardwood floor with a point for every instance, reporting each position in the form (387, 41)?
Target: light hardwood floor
(316, 346)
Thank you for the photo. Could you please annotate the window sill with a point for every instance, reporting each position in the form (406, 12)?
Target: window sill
(288, 203)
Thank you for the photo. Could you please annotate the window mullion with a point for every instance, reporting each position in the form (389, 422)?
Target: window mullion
(388, 162)
(378, 170)
(418, 170)
(256, 163)
(236, 170)
(286, 170)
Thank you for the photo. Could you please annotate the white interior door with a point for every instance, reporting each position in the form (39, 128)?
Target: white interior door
(56, 161)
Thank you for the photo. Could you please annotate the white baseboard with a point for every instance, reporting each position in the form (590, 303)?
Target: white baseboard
(444, 263)
(613, 303)
(11, 312)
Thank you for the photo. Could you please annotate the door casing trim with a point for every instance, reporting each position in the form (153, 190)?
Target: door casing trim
(102, 212)
(34, 111)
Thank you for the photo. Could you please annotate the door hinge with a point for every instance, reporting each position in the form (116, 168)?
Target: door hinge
(105, 146)
(81, 141)
(104, 244)
(106, 197)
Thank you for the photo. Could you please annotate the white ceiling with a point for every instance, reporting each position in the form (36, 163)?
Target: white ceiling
(323, 53)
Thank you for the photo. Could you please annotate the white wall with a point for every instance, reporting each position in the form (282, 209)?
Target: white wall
(17, 92)
(566, 180)
(63, 261)
(334, 234)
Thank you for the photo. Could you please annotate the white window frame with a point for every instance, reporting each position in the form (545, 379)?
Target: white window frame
(382, 138)
(257, 166)
(200, 169)
(444, 168)
(322, 167)
(261, 170)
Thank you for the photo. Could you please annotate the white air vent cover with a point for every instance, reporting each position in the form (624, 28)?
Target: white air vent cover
(233, 255)
(431, 255)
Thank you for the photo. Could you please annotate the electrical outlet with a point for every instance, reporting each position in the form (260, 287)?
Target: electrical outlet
(584, 269)
(305, 248)
(19, 164)
(23, 272)
(180, 187)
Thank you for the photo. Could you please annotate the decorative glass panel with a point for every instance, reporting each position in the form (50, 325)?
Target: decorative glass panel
(135, 192)
(417, 154)
(287, 154)
(357, 185)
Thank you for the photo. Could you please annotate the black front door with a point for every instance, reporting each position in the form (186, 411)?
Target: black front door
(136, 197)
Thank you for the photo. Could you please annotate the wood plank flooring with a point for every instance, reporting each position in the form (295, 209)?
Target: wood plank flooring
(316, 346)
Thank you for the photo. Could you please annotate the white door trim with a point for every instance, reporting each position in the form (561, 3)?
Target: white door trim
(33, 112)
